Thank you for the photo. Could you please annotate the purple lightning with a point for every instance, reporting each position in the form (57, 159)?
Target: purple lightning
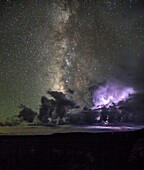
(110, 93)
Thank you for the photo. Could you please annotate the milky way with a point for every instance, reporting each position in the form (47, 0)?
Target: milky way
(61, 44)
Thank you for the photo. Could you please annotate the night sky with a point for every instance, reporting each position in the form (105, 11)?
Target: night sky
(61, 44)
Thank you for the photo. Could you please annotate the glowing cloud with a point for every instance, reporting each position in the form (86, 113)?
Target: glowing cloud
(109, 93)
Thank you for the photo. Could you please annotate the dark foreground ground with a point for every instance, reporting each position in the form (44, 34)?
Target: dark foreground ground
(111, 149)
